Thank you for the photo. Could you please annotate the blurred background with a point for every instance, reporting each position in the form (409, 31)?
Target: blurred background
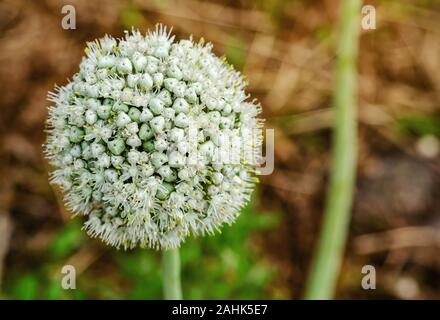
(286, 49)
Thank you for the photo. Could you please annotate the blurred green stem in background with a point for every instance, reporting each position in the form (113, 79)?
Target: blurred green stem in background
(325, 269)
(171, 274)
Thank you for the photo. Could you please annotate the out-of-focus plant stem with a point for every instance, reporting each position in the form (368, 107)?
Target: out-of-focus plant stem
(171, 274)
(329, 255)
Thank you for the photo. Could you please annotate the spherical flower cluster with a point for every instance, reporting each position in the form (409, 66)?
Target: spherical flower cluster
(135, 140)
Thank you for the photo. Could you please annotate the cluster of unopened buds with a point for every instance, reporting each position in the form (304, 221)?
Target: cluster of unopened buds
(153, 140)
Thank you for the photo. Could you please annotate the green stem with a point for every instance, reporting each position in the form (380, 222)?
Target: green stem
(326, 265)
(171, 275)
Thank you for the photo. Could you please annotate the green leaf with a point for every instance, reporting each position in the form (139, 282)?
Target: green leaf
(419, 125)
(235, 51)
(67, 240)
(130, 16)
(26, 288)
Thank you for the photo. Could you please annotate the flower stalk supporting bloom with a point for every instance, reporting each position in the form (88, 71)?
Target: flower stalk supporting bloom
(327, 263)
(171, 274)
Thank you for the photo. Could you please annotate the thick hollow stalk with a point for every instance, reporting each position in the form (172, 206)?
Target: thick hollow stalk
(171, 274)
(327, 261)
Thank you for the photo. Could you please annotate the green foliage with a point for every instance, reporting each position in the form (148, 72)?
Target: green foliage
(67, 240)
(419, 125)
(235, 51)
(323, 32)
(217, 267)
(26, 287)
(130, 16)
(224, 266)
